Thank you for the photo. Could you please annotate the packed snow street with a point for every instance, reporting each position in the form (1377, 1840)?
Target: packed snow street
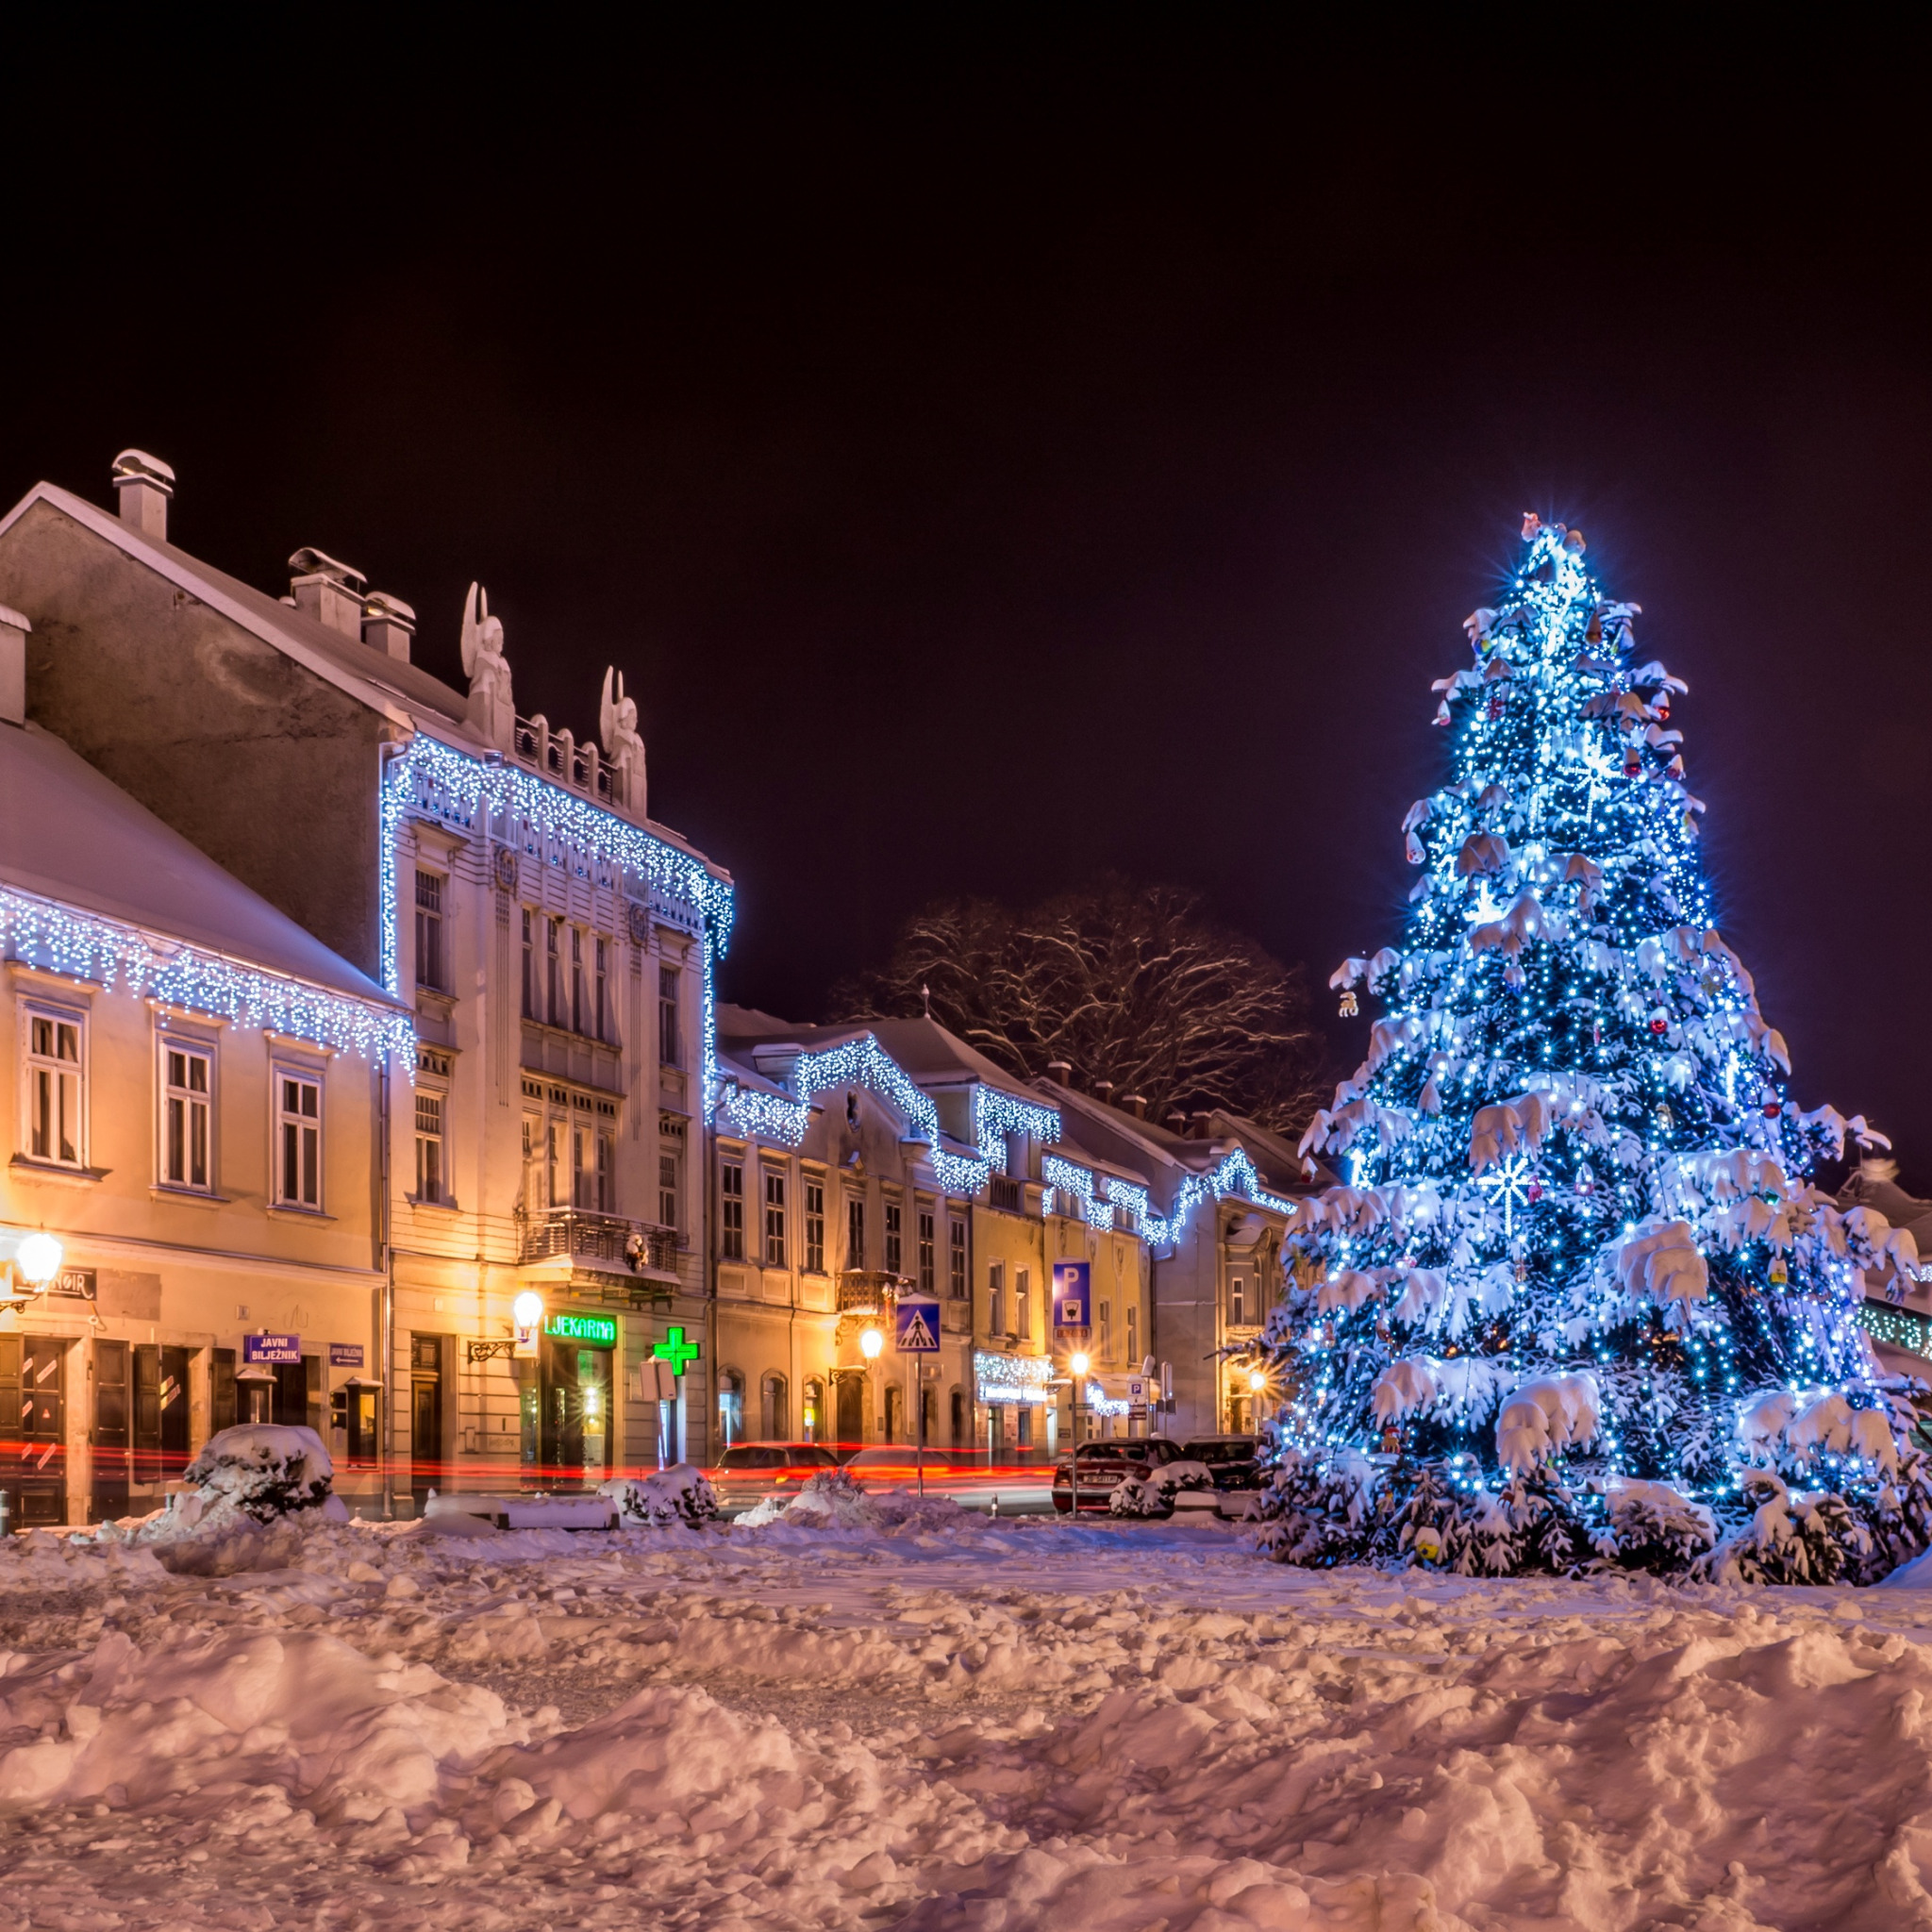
(935, 1720)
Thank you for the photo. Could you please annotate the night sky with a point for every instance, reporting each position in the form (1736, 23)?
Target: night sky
(995, 461)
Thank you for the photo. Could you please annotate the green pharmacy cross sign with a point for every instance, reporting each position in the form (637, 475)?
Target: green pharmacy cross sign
(675, 1350)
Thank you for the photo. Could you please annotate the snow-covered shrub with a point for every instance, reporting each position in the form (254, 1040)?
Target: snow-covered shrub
(1319, 1512)
(1152, 1494)
(1657, 1527)
(260, 1471)
(666, 1496)
(1793, 1536)
(830, 1498)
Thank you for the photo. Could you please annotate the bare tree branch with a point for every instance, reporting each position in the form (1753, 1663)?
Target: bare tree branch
(1132, 984)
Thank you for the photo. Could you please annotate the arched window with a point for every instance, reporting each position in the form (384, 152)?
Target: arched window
(960, 1419)
(929, 1419)
(895, 1414)
(730, 1406)
(814, 1416)
(774, 1417)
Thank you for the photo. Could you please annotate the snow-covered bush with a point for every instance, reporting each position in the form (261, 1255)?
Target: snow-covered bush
(1319, 1511)
(1657, 1527)
(1152, 1494)
(830, 1498)
(260, 1471)
(1794, 1537)
(666, 1496)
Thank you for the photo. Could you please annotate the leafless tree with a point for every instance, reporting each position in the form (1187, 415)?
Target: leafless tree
(1131, 984)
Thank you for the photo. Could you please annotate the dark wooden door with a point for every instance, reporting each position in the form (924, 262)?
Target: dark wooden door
(43, 1430)
(113, 1440)
(851, 1408)
(426, 1413)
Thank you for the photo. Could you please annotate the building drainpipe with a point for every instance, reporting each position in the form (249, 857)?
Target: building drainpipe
(388, 1323)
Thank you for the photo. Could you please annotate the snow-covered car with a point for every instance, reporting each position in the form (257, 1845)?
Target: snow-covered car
(1233, 1461)
(747, 1473)
(1087, 1477)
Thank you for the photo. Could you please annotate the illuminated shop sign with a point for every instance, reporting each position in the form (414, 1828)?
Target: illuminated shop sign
(599, 1331)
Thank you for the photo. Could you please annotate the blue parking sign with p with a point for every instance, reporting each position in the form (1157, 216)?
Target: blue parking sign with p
(1072, 1303)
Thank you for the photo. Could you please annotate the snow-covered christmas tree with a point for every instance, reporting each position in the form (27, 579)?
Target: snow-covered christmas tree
(1575, 1303)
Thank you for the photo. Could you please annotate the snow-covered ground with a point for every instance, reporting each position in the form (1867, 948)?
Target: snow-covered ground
(946, 1723)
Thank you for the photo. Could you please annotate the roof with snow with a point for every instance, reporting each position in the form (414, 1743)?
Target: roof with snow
(399, 691)
(924, 1050)
(70, 835)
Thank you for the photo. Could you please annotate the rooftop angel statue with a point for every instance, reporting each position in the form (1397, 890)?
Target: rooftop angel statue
(624, 748)
(492, 709)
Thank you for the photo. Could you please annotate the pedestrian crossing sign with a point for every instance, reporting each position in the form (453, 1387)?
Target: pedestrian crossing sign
(916, 1324)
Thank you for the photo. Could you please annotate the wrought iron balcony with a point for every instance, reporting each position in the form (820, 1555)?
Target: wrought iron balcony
(586, 1235)
(1003, 1192)
(868, 1291)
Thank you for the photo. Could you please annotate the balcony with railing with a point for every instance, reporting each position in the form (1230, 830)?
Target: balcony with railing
(558, 755)
(612, 1242)
(1006, 1194)
(868, 1291)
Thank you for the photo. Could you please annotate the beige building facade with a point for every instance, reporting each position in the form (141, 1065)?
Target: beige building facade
(194, 1107)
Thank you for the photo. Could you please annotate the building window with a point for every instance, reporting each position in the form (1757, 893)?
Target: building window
(775, 1221)
(814, 1227)
(1022, 1304)
(668, 1191)
(429, 959)
(1133, 1337)
(1238, 1301)
(1107, 1331)
(668, 1029)
(731, 1210)
(553, 971)
(552, 1164)
(607, 1173)
(54, 1076)
(957, 1261)
(298, 1142)
(529, 967)
(602, 979)
(429, 1170)
(534, 1198)
(186, 1160)
(813, 1416)
(927, 1261)
(854, 1232)
(583, 1165)
(996, 1298)
(892, 1248)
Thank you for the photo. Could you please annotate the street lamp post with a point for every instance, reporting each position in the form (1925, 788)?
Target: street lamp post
(1078, 1363)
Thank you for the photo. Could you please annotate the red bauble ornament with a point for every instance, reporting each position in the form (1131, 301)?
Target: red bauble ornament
(1536, 1191)
(1633, 766)
(1772, 1109)
(1497, 708)
(1660, 1025)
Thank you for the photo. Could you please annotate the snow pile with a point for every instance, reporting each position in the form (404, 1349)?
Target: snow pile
(1152, 1494)
(680, 1494)
(297, 1711)
(835, 1499)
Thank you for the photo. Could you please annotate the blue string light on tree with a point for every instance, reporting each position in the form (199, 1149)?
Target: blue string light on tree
(1578, 1275)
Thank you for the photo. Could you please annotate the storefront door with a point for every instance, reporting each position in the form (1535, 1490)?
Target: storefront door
(33, 1426)
(114, 1441)
(575, 1400)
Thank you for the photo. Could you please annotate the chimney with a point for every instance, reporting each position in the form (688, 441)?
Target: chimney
(1134, 1104)
(1176, 1122)
(1197, 1125)
(389, 624)
(1061, 1071)
(329, 592)
(143, 485)
(1103, 1092)
(13, 630)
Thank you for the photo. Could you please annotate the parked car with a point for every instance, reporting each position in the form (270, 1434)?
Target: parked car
(747, 1473)
(1087, 1477)
(1233, 1462)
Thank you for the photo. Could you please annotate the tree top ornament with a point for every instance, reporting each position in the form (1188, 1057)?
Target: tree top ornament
(1575, 1302)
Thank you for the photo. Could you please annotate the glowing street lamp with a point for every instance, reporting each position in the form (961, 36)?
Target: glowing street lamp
(1078, 1365)
(36, 1262)
(870, 1343)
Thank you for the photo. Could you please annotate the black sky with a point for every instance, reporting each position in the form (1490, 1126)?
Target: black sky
(999, 458)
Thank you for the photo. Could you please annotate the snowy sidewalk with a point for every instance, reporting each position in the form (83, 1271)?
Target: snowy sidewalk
(983, 1725)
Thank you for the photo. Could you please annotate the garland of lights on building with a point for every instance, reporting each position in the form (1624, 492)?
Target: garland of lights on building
(552, 826)
(85, 945)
